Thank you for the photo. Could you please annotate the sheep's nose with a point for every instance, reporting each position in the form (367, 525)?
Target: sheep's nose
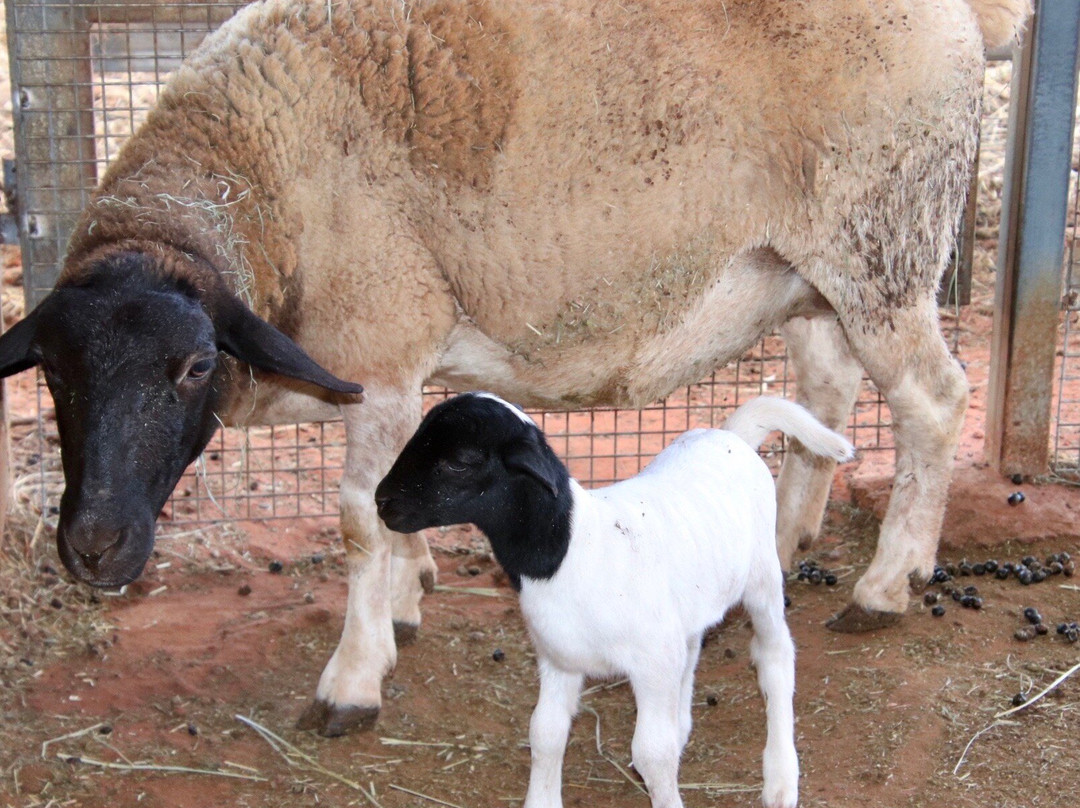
(382, 503)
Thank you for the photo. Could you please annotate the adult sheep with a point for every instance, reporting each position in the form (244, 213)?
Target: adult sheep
(568, 203)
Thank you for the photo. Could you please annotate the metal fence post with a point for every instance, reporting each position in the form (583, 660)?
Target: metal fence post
(1031, 251)
(54, 130)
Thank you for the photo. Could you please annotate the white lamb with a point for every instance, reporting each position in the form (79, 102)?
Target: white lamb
(623, 580)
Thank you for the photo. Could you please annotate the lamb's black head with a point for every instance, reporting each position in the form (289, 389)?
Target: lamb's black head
(131, 359)
(474, 458)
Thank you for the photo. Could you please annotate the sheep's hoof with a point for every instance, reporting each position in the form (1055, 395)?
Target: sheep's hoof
(405, 633)
(330, 721)
(427, 581)
(855, 619)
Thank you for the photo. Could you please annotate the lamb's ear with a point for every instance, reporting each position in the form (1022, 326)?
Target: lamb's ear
(531, 458)
(245, 335)
(16, 345)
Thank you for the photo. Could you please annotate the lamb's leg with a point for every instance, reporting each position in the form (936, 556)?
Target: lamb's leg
(827, 383)
(686, 690)
(927, 395)
(412, 573)
(773, 654)
(548, 732)
(349, 693)
(655, 747)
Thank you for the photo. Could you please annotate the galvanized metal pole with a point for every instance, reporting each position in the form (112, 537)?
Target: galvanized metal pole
(1032, 246)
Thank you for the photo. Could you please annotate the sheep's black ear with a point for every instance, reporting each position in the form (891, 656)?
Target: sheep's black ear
(16, 345)
(243, 334)
(530, 458)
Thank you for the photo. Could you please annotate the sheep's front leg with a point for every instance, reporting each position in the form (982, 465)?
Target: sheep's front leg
(656, 747)
(349, 693)
(827, 378)
(548, 732)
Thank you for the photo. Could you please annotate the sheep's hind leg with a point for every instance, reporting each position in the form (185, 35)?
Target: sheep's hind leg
(927, 396)
(655, 747)
(773, 654)
(412, 574)
(349, 694)
(686, 689)
(827, 383)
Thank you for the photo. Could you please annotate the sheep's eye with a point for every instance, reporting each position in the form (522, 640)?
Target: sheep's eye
(454, 466)
(199, 369)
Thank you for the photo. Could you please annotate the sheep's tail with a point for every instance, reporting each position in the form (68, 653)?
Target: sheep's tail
(755, 419)
(1000, 20)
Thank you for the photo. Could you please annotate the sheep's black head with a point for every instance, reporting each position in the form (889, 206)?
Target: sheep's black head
(474, 458)
(131, 360)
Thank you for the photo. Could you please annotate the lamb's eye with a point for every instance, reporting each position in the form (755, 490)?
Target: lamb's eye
(455, 467)
(199, 369)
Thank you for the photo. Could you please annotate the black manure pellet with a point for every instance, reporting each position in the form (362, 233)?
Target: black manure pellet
(964, 568)
(498, 655)
(957, 595)
(1038, 576)
(1072, 635)
(978, 569)
(951, 570)
(830, 579)
(1028, 560)
(275, 567)
(1016, 497)
(938, 611)
(1001, 573)
(1018, 699)
(1024, 576)
(1056, 568)
(1062, 628)
(1025, 633)
(1017, 479)
(971, 590)
(1041, 629)
(1031, 614)
(930, 598)
(816, 576)
(990, 565)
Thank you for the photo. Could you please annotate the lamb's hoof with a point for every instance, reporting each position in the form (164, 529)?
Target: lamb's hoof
(405, 633)
(855, 619)
(917, 582)
(330, 721)
(427, 581)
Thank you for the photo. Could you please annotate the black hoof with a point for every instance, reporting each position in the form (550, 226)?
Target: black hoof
(427, 581)
(855, 619)
(918, 583)
(405, 633)
(330, 721)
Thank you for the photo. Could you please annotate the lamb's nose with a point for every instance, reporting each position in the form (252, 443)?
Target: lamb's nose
(382, 503)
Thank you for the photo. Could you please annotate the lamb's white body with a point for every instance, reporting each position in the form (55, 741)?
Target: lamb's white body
(652, 563)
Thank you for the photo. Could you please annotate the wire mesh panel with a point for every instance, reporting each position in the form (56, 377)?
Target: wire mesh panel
(1065, 457)
(85, 75)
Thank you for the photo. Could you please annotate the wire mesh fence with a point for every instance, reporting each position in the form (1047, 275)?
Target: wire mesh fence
(1065, 456)
(86, 74)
